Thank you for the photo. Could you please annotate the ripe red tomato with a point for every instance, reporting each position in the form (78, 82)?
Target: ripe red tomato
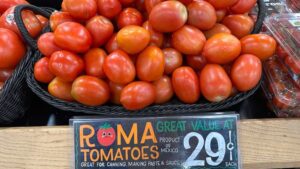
(293, 64)
(112, 44)
(43, 20)
(137, 95)
(188, 40)
(215, 83)
(260, 45)
(149, 4)
(58, 18)
(221, 13)
(197, 62)
(202, 15)
(101, 30)
(109, 8)
(66, 65)
(150, 64)
(246, 72)
(106, 135)
(168, 16)
(60, 89)
(81, 9)
(163, 89)
(186, 85)
(133, 39)
(280, 51)
(63, 6)
(130, 16)
(218, 28)
(156, 38)
(73, 36)
(126, 2)
(115, 92)
(222, 48)
(94, 60)
(90, 91)
(222, 4)
(173, 60)
(46, 44)
(240, 25)
(5, 4)
(243, 6)
(12, 49)
(119, 68)
(5, 74)
(32, 23)
(42, 72)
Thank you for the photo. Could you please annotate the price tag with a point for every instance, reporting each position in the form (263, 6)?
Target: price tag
(188, 142)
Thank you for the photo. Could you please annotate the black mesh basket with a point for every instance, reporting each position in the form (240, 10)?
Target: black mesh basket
(174, 107)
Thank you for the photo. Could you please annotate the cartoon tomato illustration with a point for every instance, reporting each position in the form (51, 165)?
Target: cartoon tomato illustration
(106, 135)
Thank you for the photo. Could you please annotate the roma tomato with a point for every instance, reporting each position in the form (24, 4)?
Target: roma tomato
(115, 92)
(119, 68)
(63, 6)
(218, 28)
(168, 16)
(12, 49)
(43, 20)
(101, 30)
(215, 83)
(222, 48)
(60, 89)
(293, 64)
(156, 38)
(137, 95)
(72, 36)
(173, 60)
(243, 6)
(129, 16)
(47, 45)
(163, 89)
(90, 91)
(133, 39)
(66, 65)
(5, 74)
(149, 4)
(246, 72)
(240, 25)
(109, 8)
(112, 44)
(202, 15)
(186, 85)
(81, 9)
(5, 4)
(260, 45)
(188, 40)
(58, 18)
(280, 51)
(150, 64)
(222, 4)
(197, 62)
(94, 60)
(221, 13)
(42, 72)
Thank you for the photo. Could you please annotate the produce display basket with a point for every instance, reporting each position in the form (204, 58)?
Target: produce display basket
(174, 107)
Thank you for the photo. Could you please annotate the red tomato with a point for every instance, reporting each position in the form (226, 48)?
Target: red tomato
(58, 18)
(130, 16)
(221, 13)
(197, 62)
(12, 49)
(133, 39)
(126, 2)
(1, 85)
(173, 60)
(63, 6)
(90, 91)
(150, 64)
(115, 92)
(66, 65)
(246, 72)
(5, 4)
(215, 83)
(280, 51)
(60, 89)
(94, 60)
(137, 95)
(156, 38)
(260, 45)
(43, 20)
(149, 4)
(81, 9)
(73, 37)
(293, 64)
(188, 40)
(46, 44)
(168, 16)
(101, 30)
(218, 28)
(222, 48)
(140, 5)
(186, 2)
(32, 23)
(240, 25)
(222, 4)
(42, 72)
(243, 6)
(119, 68)
(109, 8)
(163, 89)
(202, 15)
(5, 74)
(106, 135)
(186, 85)
(112, 44)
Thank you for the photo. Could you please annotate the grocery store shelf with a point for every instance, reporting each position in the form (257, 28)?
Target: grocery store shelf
(272, 143)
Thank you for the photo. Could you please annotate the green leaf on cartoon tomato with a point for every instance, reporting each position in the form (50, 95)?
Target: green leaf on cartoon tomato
(106, 135)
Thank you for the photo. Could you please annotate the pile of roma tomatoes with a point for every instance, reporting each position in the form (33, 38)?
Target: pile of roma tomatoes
(142, 52)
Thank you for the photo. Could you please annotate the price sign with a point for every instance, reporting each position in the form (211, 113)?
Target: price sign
(188, 142)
